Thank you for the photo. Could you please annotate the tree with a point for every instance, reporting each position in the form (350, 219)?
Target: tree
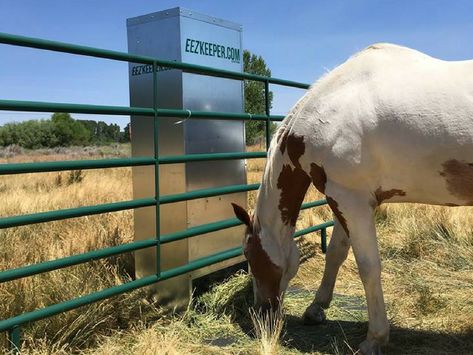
(60, 130)
(69, 131)
(255, 96)
(102, 133)
(125, 136)
(113, 132)
(91, 126)
(31, 134)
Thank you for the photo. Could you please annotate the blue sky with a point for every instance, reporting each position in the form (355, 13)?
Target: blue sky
(299, 40)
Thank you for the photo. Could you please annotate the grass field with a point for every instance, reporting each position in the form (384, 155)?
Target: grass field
(427, 277)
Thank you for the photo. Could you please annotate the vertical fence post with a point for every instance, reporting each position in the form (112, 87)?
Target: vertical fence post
(323, 239)
(156, 168)
(267, 109)
(14, 339)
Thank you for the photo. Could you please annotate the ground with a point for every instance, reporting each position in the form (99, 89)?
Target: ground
(427, 255)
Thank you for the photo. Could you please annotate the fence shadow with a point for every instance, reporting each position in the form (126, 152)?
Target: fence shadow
(345, 336)
(307, 249)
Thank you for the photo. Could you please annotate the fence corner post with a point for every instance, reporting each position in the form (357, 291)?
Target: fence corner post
(14, 338)
(323, 239)
(156, 168)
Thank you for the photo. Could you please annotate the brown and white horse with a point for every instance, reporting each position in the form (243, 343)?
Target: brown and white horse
(391, 124)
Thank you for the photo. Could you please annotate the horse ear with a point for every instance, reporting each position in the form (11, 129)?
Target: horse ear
(241, 214)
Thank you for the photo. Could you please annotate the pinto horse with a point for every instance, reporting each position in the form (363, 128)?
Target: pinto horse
(390, 124)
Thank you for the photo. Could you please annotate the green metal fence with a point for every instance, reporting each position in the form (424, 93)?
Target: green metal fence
(12, 325)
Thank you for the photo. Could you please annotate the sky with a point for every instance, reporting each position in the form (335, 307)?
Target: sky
(299, 40)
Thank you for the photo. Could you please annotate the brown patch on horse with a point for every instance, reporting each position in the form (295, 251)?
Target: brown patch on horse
(293, 184)
(382, 195)
(241, 214)
(319, 179)
(334, 207)
(282, 139)
(294, 145)
(295, 149)
(459, 178)
(267, 274)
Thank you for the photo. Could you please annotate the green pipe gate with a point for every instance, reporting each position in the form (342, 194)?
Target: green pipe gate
(12, 325)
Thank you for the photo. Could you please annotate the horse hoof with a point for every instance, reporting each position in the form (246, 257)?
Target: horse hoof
(370, 348)
(313, 315)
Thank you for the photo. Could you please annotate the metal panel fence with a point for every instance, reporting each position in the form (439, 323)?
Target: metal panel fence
(12, 325)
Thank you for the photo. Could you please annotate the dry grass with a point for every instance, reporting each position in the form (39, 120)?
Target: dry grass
(268, 328)
(427, 277)
(32, 244)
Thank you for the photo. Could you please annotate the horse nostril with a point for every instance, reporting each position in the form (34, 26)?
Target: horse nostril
(263, 307)
(266, 307)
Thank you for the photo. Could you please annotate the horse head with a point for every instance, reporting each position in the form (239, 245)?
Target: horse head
(272, 264)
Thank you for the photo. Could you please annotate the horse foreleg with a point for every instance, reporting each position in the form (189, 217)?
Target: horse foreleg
(337, 252)
(355, 211)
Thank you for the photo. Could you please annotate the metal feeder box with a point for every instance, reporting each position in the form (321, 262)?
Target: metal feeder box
(185, 36)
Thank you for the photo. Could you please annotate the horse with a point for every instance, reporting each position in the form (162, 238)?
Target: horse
(389, 125)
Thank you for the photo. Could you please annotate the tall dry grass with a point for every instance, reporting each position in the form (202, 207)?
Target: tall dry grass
(31, 193)
(268, 328)
(427, 277)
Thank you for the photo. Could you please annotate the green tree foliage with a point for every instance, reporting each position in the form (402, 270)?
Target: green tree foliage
(69, 131)
(60, 130)
(103, 133)
(29, 134)
(254, 96)
(126, 134)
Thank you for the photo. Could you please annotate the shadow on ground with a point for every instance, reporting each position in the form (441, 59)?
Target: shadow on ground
(306, 250)
(340, 336)
(344, 332)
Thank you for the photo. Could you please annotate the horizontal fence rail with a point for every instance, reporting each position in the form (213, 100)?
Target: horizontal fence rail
(15, 221)
(23, 220)
(42, 167)
(38, 43)
(133, 285)
(40, 106)
(39, 268)
(30, 270)
(12, 325)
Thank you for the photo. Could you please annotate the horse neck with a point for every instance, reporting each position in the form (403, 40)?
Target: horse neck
(280, 195)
